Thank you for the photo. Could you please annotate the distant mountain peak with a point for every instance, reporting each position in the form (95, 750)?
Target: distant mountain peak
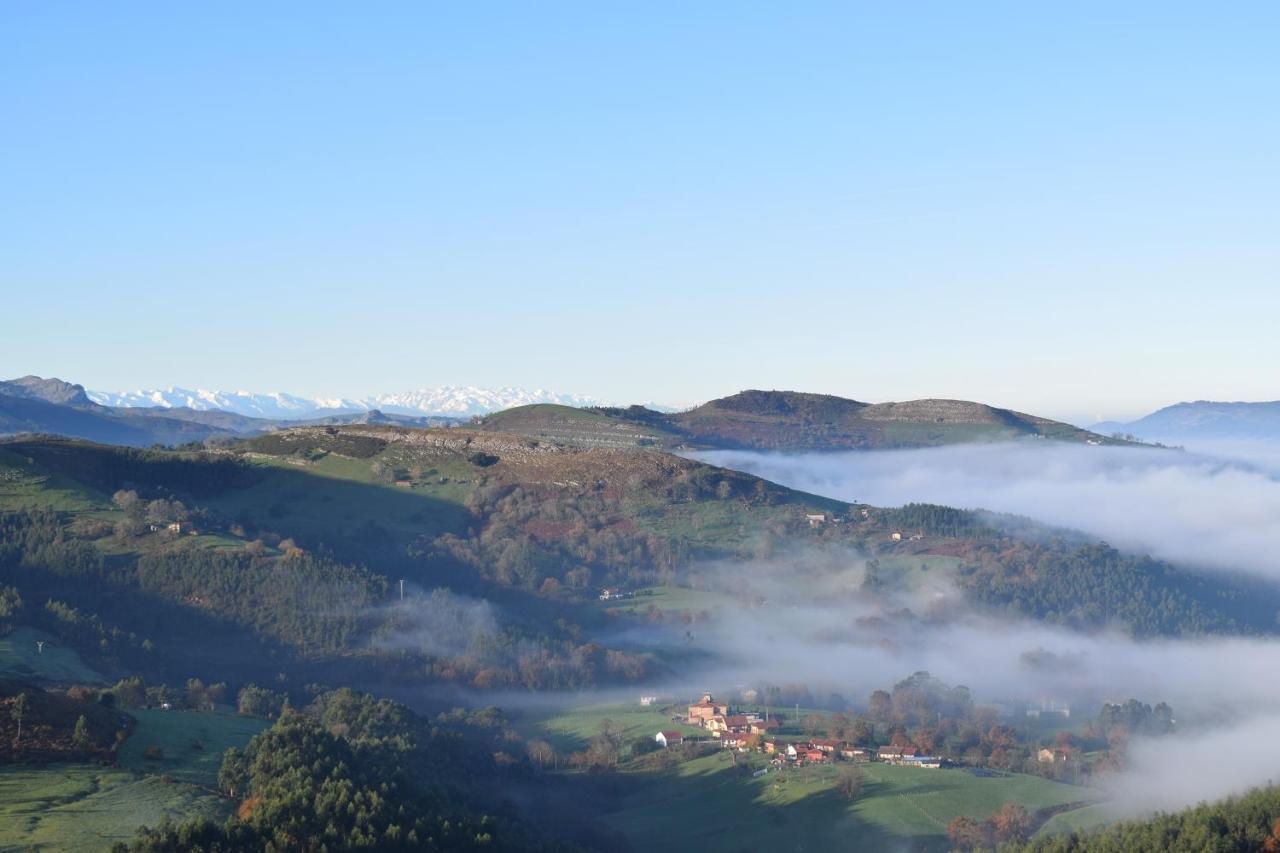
(458, 401)
(50, 390)
(1205, 420)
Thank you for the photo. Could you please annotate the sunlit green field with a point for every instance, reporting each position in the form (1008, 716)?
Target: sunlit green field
(87, 808)
(668, 598)
(707, 804)
(572, 729)
(24, 485)
(1084, 819)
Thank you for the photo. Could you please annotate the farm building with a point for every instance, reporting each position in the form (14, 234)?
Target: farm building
(761, 727)
(669, 738)
(895, 754)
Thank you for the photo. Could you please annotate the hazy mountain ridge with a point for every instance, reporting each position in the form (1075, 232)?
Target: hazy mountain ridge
(459, 401)
(1204, 420)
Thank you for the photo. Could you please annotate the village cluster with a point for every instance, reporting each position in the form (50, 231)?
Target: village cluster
(746, 732)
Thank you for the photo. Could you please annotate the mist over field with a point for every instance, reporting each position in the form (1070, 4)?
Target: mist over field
(1218, 511)
(1196, 509)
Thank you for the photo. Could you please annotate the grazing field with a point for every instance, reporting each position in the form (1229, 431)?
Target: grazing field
(349, 498)
(24, 485)
(668, 599)
(1083, 819)
(76, 807)
(573, 729)
(21, 658)
(707, 804)
(191, 743)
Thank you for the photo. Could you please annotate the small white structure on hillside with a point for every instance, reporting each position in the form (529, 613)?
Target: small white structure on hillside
(669, 738)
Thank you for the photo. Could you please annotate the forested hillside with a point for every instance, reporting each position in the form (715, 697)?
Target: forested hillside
(351, 772)
(1245, 824)
(286, 553)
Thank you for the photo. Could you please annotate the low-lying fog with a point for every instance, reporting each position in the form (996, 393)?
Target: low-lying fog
(1217, 510)
(1186, 507)
(802, 618)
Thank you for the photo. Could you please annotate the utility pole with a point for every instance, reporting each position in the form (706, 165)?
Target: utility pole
(402, 589)
(39, 647)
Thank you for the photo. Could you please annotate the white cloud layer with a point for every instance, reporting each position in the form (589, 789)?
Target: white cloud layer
(1190, 508)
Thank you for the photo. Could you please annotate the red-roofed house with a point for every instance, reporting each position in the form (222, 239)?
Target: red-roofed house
(669, 738)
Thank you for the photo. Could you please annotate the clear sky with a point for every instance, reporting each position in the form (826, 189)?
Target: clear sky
(1067, 208)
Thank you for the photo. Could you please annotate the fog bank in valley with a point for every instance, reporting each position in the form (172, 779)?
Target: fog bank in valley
(1216, 511)
(801, 621)
(1189, 508)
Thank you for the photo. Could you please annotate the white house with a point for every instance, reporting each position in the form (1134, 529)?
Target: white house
(669, 738)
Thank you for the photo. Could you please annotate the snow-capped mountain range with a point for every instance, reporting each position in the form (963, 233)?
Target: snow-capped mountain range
(449, 400)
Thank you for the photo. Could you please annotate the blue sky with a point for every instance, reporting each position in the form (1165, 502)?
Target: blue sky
(1065, 208)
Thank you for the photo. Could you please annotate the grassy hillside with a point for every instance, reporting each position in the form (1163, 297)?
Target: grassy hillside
(167, 768)
(707, 804)
(76, 807)
(1242, 824)
(586, 427)
(21, 658)
(301, 536)
(787, 421)
(190, 743)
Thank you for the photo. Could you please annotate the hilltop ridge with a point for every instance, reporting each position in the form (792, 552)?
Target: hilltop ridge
(789, 421)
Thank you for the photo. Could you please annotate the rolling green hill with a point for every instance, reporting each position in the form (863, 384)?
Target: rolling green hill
(285, 574)
(787, 421)
(300, 537)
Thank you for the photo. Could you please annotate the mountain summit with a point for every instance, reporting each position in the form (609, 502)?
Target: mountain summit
(459, 401)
